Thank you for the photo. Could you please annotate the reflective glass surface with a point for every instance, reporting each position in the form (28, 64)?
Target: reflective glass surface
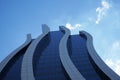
(48, 66)
(12, 70)
(80, 58)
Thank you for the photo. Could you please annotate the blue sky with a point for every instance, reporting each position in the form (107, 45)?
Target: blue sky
(100, 18)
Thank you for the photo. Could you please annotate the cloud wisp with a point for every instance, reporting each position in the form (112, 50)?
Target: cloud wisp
(76, 26)
(114, 61)
(115, 65)
(102, 10)
(116, 45)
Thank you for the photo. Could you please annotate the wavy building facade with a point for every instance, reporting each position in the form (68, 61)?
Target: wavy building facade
(56, 55)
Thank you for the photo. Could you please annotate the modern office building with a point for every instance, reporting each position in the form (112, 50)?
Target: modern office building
(56, 55)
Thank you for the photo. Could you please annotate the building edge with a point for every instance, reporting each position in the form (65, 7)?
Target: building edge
(15, 52)
(96, 60)
(27, 72)
(67, 63)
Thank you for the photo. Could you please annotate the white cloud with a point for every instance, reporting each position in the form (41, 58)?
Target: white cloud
(109, 62)
(69, 26)
(102, 10)
(116, 45)
(115, 65)
(114, 61)
(114, 49)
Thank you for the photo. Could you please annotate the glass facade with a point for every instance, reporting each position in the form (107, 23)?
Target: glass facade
(80, 58)
(47, 63)
(12, 70)
(48, 66)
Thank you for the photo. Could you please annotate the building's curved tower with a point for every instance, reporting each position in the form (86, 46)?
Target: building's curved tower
(56, 55)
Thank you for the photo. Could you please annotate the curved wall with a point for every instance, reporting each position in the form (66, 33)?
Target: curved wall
(67, 63)
(56, 55)
(12, 63)
(27, 72)
(48, 64)
(103, 70)
(80, 58)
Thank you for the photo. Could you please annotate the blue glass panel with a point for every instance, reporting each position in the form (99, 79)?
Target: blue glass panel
(12, 70)
(48, 66)
(80, 58)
